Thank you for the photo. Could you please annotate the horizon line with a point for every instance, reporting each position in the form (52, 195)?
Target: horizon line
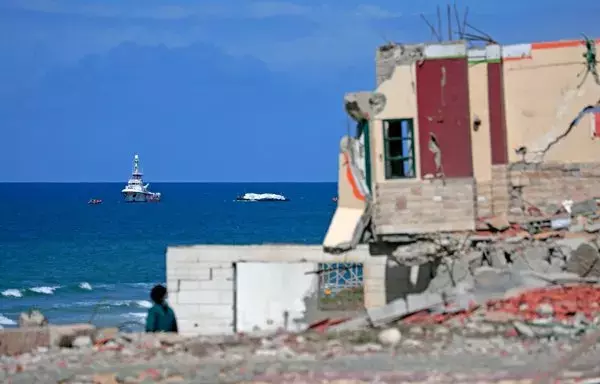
(169, 182)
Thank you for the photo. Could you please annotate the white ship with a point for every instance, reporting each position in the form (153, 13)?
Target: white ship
(136, 191)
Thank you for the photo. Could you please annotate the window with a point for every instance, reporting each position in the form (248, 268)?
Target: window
(341, 286)
(398, 136)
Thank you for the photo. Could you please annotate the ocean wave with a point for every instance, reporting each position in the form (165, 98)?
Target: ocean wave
(136, 315)
(75, 287)
(12, 293)
(6, 321)
(145, 304)
(45, 290)
(85, 286)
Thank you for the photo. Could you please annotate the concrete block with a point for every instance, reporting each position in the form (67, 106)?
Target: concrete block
(203, 311)
(195, 272)
(204, 297)
(375, 271)
(374, 299)
(225, 273)
(210, 285)
(374, 285)
(200, 327)
(385, 314)
(22, 340)
(181, 255)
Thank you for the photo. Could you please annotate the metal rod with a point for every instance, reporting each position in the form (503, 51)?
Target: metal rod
(458, 23)
(439, 15)
(449, 22)
(464, 26)
(480, 31)
(431, 27)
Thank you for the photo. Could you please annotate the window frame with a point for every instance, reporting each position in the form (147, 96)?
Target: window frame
(387, 158)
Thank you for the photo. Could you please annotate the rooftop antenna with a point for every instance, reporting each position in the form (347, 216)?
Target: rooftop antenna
(432, 28)
(449, 22)
(439, 16)
(464, 23)
(458, 23)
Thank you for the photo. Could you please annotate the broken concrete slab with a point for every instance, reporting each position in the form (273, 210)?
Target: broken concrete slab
(587, 207)
(498, 223)
(584, 261)
(64, 335)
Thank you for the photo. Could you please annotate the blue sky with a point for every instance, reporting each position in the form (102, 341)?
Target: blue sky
(86, 84)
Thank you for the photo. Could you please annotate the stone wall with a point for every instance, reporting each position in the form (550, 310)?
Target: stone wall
(543, 185)
(484, 199)
(406, 207)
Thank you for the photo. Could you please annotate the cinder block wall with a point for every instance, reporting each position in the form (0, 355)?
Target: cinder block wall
(544, 185)
(201, 285)
(425, 206)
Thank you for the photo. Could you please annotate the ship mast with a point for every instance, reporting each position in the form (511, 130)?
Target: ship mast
(136, 167)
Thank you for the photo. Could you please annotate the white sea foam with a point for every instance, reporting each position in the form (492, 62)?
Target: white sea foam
(143, 304)
(12, 293)
(262, 196)
(144, 285)
(86, 286)
(137, 315)
(44, 290)
(6, 321)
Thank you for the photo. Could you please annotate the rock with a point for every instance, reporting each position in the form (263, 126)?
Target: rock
(545, 310)
(584, 261)
(82, 342)
(498, 223)
(524, 329)
(286, 352)
(104, 334)
(586, 207)
(33, 318)
(64, 335)
(364, 348)
(389, 337)
(592, 228)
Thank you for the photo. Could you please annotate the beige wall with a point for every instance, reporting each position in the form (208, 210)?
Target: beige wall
(480, 139)
(401, 102)
(542, 99)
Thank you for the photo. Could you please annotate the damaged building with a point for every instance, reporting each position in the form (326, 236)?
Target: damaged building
(454, 134)
(455, 148)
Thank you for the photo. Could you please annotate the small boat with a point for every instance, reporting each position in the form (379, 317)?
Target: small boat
(95, 201)
(335, 199)
(136, 191)
(261, 197)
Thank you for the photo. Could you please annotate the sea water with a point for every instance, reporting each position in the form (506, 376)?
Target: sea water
(78, 262)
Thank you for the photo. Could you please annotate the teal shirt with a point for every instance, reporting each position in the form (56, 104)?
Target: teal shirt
(161, 318)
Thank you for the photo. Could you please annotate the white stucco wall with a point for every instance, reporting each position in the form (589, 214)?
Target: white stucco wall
(265, 291)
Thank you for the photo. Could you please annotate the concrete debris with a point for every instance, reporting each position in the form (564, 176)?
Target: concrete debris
(389, 337)
(584, 261)
(33, 318)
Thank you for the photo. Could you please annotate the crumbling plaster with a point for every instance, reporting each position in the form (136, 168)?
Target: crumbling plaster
(542, 98)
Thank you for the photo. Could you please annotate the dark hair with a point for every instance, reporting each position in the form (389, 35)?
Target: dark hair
(158, 294)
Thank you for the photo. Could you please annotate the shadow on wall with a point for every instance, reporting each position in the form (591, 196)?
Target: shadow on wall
(398, 280)
(402, 280)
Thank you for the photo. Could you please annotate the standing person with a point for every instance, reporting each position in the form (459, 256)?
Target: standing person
(161, 317)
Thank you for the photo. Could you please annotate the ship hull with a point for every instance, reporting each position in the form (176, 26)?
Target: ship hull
(140, 197)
